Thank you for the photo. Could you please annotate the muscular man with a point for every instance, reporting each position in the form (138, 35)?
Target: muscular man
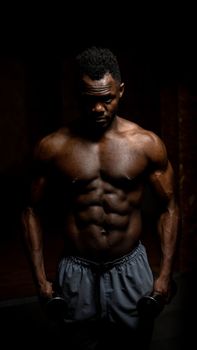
(98, 168)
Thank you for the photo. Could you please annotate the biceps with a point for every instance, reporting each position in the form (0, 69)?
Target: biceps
(163, 183)
(37, 190)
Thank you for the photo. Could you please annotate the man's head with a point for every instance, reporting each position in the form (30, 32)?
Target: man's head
(100, 86)
(96, 62)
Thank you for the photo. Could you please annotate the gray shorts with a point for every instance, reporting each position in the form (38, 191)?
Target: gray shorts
(107, 291)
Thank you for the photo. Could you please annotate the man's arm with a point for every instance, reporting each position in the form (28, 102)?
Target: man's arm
(32, 227)
(34, 240)
(162, 179)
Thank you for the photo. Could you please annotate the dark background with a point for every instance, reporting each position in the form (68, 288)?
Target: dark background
(157, 57)
(156, 48)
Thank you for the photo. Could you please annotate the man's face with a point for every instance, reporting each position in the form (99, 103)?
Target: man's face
(99, 100)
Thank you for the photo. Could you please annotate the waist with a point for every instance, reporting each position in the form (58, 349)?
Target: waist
(106, 265)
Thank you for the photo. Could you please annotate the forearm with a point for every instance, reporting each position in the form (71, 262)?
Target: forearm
(34, 240)
(168, 232)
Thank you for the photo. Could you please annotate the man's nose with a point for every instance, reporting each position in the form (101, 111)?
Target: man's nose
(98, 107)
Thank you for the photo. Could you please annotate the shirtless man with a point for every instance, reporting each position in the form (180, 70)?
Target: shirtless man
(98, 168)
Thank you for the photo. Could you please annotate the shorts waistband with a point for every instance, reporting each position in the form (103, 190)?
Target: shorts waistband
(103, 266)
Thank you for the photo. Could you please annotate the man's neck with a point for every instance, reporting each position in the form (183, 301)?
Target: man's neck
(92, 132)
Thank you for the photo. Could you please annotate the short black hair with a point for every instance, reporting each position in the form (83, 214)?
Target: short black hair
(96, 62)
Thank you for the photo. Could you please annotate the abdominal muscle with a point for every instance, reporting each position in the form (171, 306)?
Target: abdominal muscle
(99, 235)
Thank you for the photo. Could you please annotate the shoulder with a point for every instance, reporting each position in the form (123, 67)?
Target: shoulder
(51, 145)
(145, 141)
(154, 148)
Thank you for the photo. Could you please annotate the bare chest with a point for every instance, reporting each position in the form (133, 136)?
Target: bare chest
(116, 159)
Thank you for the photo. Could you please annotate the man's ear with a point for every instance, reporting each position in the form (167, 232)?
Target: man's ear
(121, 89)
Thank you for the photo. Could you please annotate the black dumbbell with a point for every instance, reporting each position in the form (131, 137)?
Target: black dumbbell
(151, 305)
(56, 308)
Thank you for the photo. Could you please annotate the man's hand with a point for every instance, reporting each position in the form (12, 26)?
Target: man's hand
(46, 290)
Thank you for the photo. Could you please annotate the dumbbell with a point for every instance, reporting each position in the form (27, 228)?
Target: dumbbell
(56, 308)
(152, 305)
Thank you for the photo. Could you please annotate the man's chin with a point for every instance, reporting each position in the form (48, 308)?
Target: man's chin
(101, 126)
(97, 127)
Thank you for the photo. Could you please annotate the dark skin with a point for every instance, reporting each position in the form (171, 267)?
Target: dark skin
(102, 166)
